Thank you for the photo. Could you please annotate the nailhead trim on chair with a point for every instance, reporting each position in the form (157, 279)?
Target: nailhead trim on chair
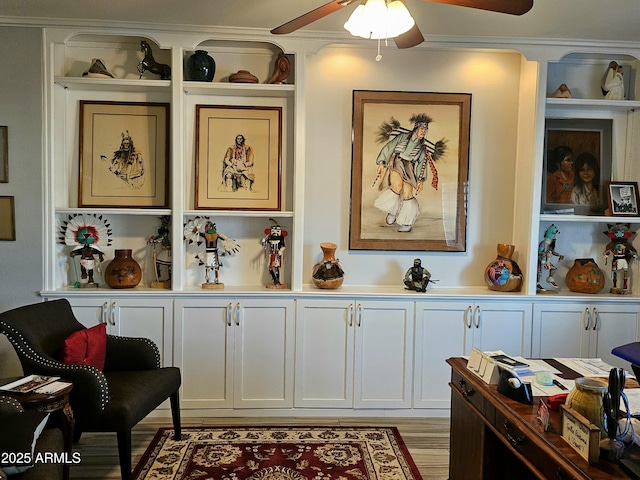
(34, 356)
(145, 340)
(12, 402)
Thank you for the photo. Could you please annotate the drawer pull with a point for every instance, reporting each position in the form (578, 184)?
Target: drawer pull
(514, 441)
(561, 474)
(463, 389)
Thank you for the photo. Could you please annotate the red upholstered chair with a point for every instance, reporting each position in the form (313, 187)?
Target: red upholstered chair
(130, 387)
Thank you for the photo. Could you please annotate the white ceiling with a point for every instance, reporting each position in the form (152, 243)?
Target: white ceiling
(607, 20)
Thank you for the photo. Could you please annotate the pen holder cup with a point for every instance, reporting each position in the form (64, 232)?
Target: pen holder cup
(520, 392)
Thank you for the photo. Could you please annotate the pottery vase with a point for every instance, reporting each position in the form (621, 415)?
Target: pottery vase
(123, 271)
(243, 76)
(201, 67)
(503, 274)
(328, 273)
(586, 399)
(585, 276)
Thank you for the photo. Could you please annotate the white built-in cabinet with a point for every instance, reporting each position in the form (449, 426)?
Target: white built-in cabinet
(452, 328)
(130, 317)
(235, 353)
(353, 353)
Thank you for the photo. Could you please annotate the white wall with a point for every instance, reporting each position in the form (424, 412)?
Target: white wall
(21, 264)
(493, 80)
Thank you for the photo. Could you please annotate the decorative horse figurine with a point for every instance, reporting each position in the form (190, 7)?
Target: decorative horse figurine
(148, 63)
(547, 250)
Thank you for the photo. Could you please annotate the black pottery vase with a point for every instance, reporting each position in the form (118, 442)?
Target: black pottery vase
(201, 67)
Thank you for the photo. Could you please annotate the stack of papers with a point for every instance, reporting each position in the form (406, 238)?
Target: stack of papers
(28, 383)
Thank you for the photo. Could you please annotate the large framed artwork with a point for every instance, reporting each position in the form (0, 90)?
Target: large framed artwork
(238, 157)
(124, 154)
(7, 218)
(577, 165)
(410, 165)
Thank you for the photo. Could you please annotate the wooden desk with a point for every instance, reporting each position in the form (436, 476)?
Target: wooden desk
(494, 437)
(55, 402)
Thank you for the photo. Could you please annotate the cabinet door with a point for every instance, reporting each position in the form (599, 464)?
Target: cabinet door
(383, 369)
(90, 311)
(503, 326)
(264, 353)
(612, 326)
(204, 341)
(440, 332)
(324, 353)
(146, 318)
(560, 330)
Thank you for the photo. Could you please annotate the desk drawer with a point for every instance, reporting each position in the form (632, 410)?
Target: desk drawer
(513, 436)
(472, 395)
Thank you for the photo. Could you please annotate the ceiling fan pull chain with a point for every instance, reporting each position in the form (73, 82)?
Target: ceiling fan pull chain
(379, 56)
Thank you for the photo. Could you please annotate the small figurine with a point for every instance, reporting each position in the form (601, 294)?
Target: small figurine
(562, 92)
(417, 277)
(200, 230)
(546, 251)
(162, 260)
(623, 252)
(612, 85)
(273, 245)
(280, 69)
(149, 63)
(87, 233)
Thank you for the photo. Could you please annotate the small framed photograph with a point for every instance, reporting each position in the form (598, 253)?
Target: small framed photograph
(124, 154)
(623, 199)
(7, 218)
(4, 154)
(577, 166)
(238, 157)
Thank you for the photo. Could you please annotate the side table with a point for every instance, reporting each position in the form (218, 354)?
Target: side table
(49, 403)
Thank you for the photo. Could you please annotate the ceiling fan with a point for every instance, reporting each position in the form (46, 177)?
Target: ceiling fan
(413, 37)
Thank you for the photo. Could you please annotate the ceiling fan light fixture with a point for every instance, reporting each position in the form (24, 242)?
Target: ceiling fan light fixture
(379, 19)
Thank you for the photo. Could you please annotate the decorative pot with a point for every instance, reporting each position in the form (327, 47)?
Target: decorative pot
(328, 273)
(201, 67)
(503, 274)
(586, 399)
(123, 271)
(243, 76)
(585, 276)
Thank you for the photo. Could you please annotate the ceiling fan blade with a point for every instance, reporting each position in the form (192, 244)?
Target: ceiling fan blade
(511, 7)
(410, 38)
(310, 17)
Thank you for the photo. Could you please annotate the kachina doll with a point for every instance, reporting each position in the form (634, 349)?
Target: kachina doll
(200, 230)
(87, 234)
(623, 252)
(162, 259)
(273, 245)
(546, 251)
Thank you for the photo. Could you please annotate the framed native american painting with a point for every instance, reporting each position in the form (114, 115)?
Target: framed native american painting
(124, 154)
(409, 171)
(238, 157)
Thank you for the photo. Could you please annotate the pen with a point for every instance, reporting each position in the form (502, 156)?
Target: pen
(559, 385)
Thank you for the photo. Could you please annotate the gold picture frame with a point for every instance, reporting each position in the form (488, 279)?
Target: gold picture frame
(238, 157)
(4, 154)
(434, 218)
(7, 218)
(124, 154)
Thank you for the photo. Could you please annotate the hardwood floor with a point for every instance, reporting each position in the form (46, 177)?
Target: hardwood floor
(426, 438)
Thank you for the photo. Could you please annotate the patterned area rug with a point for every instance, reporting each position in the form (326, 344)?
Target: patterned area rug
(278, 453)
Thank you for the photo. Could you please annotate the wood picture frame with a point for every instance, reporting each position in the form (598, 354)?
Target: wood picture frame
(588, 142)
(124, 154)
(432, 218)
(4, 154)
(7, 218)
(623, 199)
(238, 157)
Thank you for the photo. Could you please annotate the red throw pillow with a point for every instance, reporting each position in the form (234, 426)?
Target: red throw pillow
(86, 347)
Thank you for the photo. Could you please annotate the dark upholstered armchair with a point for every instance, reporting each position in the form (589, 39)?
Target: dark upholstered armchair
(130, 387)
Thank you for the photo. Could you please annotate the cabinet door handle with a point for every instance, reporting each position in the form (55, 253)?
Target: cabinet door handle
(103, 317)
(359, 308)
(466, 392)
(476, 316)
(514, 441)
(350, 314)
(227, 313)
(587, 319)
(467, 318)
(238, 313)
(595, 318)
(113, 313)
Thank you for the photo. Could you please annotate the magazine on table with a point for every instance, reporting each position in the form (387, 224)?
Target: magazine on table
(28, 384)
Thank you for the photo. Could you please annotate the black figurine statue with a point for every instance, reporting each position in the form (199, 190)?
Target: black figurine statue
(417, 277)
(149, 63)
